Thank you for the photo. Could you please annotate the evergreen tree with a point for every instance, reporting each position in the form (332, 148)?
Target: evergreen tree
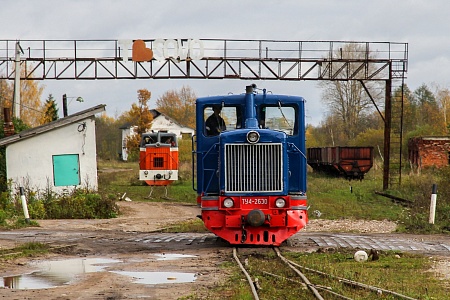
(50, 110)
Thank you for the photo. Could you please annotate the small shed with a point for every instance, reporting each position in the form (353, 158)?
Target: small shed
(429, 151)
(59, 156)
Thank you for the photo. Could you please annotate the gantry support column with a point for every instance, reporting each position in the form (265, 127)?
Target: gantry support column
(387, 133)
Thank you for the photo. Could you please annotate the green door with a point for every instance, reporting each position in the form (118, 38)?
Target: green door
(66, 170)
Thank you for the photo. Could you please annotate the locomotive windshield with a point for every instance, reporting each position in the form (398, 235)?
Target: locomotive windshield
(280, 118)
(217, 119)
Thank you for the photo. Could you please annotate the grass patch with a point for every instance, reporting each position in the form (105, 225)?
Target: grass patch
(388, 272)
(338, 198)
(29, 249)
(124, 178)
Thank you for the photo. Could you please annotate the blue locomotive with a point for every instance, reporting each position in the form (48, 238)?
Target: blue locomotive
(251, 164)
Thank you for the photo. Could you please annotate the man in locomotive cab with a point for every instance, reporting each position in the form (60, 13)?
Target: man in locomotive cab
(169, 140)
(215, 124)
(146, 140)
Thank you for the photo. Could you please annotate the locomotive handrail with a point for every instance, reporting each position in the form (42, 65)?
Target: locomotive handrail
(295, 146)
(194, 141)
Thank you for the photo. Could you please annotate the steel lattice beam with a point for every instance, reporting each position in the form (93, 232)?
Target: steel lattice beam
(223, 59)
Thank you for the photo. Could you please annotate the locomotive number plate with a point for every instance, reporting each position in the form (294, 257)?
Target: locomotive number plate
(255, 201)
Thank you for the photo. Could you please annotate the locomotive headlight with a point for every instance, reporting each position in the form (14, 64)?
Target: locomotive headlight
(280, 203)
(252, 137)
(228, 203)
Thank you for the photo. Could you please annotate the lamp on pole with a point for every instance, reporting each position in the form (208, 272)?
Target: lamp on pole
(65, 105)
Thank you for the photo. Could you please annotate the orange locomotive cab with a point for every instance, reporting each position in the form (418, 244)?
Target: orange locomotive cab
(158, 158)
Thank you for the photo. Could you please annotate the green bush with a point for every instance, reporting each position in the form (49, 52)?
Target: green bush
(6, 201)
(3, 217)
(80, 205)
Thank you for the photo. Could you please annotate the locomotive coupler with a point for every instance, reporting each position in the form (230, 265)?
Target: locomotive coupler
(244, 232)
(244, 236)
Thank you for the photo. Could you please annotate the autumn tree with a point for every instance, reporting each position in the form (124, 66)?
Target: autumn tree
(178, 105)
(30, 99)
(50, 110)
(443, 99)
(141, 118)
(6, 93)
(347, 99)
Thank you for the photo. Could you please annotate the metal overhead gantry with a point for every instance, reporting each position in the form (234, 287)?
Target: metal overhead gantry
(385, 62)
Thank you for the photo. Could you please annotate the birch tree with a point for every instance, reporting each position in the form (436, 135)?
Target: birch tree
(347, 99)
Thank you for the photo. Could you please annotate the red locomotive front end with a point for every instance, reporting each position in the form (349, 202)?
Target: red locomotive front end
(259, 220)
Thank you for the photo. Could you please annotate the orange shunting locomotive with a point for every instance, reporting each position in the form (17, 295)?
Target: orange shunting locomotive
(158, 158)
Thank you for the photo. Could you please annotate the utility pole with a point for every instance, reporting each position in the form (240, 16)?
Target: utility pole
(16, 100)
(65, 114)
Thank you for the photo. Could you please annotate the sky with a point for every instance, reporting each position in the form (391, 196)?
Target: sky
(423, 24)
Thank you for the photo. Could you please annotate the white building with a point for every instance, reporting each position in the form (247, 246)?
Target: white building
(161, 123)
(60, 155)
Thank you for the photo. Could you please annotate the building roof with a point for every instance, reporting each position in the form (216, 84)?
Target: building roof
(155, 114)
(52, 125)
(432, 138)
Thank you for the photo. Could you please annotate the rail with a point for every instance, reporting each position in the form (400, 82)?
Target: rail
(314, 288)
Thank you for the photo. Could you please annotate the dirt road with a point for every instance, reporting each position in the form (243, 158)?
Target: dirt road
(123, 243)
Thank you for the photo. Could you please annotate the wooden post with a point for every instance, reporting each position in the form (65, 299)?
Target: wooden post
(433, 204)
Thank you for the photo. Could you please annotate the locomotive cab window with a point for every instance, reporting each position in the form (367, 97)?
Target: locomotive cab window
(148, 139)
(282, 118)
(218, 118)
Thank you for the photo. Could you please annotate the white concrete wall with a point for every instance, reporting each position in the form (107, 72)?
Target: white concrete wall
(29, 161)
(125, 134)
(162, 123)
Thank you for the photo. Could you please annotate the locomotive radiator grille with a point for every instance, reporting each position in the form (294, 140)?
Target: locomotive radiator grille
(253, 168)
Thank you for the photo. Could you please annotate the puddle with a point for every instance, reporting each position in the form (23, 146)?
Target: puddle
(62, 272)
(158, 277)
(55, 273)
(169, 256)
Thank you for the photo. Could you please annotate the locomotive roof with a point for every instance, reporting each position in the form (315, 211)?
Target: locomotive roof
(259, 98)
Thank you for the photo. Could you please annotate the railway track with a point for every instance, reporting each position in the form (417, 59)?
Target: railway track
(294, 274)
